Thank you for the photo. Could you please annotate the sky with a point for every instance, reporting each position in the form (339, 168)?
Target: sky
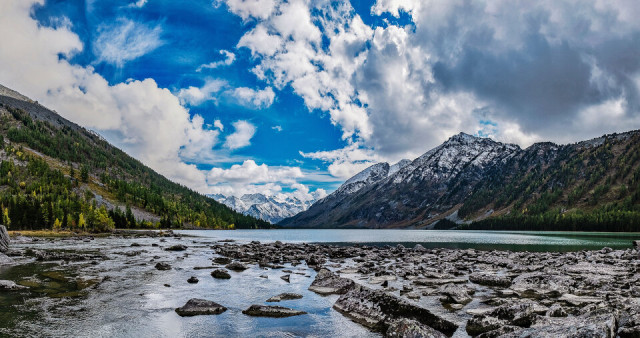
(291, 98)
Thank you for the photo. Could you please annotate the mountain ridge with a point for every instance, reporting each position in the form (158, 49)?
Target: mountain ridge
(474, 178)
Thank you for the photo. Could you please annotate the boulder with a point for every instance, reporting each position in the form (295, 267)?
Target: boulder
(4, 239)
(193, 280)
(454, 294)
(220, 274)
(409, 328)
(327, 282)
(195, 307)
(286, 278)
(222, 260)
(177, 247)
(163, 266)
(271, 311)
(284, 296)
(490, 280)
(595, 324)
(377, 309)
(236, 266)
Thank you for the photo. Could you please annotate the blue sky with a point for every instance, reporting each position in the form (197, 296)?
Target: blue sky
(296, 96)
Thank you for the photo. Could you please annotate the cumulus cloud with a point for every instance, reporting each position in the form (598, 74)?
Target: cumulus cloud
(246, 9)
(229, 58)
(251, 98)
(218, 124)
(125, 40)
(249, 177)
(346, 162)
(241, 136)
(194, 96)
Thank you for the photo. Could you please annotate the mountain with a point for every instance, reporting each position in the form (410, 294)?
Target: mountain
(56, 174)
(269, 208)
(478, 183)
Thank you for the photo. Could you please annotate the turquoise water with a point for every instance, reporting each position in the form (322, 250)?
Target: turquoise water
(483, 240)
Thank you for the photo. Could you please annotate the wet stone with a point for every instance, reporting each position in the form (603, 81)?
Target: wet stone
(220, 274)
(163, 266)
(284, 296)
(271, 311)
(196, 307)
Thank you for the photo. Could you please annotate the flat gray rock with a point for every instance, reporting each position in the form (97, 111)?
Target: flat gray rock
(196, 307)
(284, 296)
(271, 311)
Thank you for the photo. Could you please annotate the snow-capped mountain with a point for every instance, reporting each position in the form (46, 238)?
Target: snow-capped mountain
(269, 208)
(382, 194)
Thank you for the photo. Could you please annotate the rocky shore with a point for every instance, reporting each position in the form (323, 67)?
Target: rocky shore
(419, 292)
(391, 291)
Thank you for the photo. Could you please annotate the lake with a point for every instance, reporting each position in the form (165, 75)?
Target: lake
(482, 240)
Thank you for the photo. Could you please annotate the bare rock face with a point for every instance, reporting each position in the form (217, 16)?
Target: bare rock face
(490, 280)
(4, 239)
(271, 311)
(195, 307)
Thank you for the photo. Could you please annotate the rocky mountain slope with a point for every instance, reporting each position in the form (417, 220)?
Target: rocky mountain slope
(269, 208)
(56, 174)
(471, 179)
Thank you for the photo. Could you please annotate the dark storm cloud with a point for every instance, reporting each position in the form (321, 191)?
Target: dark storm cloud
(539, 81)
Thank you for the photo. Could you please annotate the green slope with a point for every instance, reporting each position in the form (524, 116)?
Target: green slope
(55, 174)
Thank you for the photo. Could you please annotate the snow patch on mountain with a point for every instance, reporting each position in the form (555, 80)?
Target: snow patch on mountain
(270, 208)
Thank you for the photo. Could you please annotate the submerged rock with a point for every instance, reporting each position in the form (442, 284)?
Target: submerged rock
(222, 260)
(271, 311)
(284, 296)
(195, 307)
(286, 278)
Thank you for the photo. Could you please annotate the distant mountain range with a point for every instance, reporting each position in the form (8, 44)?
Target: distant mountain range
(269, 208)
(473, 182)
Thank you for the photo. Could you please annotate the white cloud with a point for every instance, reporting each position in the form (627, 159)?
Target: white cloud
(229, 58)
(138, 4)
(251, 98)
(246, 9)
(197, 95)
(241, 136)
(125, 40)
(277, 128)
(249, 177)
(218, 124)
(347, 161)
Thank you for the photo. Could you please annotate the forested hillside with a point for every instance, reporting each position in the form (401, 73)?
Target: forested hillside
(55, 174)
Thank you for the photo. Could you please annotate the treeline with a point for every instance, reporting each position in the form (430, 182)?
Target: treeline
(575, 188)
(34, 195)
(607, 221)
